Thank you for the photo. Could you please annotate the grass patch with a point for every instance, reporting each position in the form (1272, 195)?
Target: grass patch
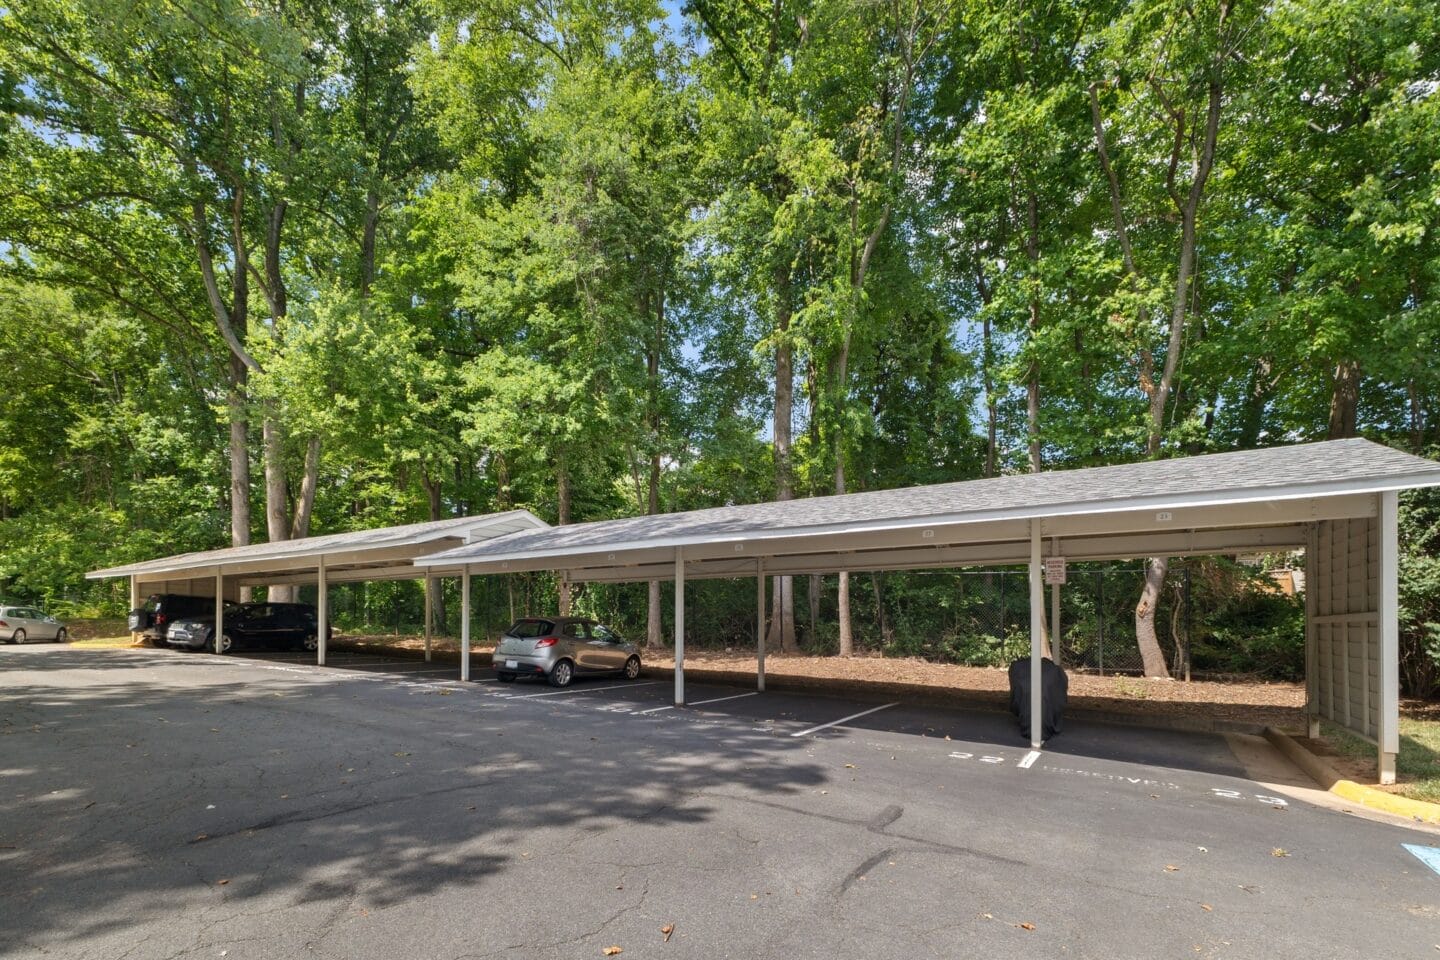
(105, 628)
(1417, 767)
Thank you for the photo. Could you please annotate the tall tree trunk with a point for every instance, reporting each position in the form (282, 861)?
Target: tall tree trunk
(1151, 658)
(367, 241)
(1032, 380)
(309, 483)
(1188, 206)
(277, 508)
(781, 633)
(812, 596)
(654, 635)
(239, 454)
(987, 370)
(562, 494)
(877, 582)
(436, 503)
(277, 487)
(1417, 417)
(842, 593)
(1344, 400)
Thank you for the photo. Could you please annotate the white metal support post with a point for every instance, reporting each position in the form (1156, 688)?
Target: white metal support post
(1055, 609)
(1037, 635)
(429, 615)
(219, 610)
(465, 625)
(322, 612)
(1312, 641)
(1389, 636)
(679, 627)
(760, 624)
(134, 601)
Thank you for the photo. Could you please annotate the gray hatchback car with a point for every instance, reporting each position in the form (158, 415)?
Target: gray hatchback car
(561, 648)
(18, 624)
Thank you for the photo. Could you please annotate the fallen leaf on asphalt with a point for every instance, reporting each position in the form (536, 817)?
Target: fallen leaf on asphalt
(987, 916)
(668, 929)
(402, 753)
(1171, 868)
(754, 896)
(1206, 907)
(849, 766)
(1202, 849)
(470, 807)
(612, 951)
(201, 836)
(221, 883)
(1279, 852)
(1026, 926)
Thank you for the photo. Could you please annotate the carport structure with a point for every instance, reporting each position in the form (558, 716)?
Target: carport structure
(387, 553)
(1336, 500)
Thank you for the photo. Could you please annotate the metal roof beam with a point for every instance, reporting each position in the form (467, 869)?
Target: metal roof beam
(1174, 544)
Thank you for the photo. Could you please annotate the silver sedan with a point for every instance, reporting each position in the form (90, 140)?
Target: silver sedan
(18, 624)
(561, 648)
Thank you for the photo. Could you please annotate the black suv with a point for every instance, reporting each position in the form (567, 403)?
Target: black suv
(291, 625)
(162, 609)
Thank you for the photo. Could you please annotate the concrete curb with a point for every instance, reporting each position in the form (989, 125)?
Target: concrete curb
(986, 701)
(1328, 779)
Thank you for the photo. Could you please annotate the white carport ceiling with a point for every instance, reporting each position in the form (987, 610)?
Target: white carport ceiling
(1254, 499)
(380, 554)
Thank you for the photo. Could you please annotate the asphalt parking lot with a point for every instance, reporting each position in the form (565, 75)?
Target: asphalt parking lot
(162, 805)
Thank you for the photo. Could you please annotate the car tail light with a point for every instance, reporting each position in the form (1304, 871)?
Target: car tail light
(161, 619)
(3, 624)
(545, 642)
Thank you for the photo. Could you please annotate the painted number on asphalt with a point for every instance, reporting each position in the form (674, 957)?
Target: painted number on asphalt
(958, 755)
(1237, 795)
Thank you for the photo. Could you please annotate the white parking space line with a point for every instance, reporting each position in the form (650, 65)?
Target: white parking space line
(701, 703)
(1028, 760)
(836, 723)
(558, 693)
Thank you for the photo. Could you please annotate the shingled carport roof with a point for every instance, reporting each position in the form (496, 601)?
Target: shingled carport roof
(1258, 490)
(382, 553)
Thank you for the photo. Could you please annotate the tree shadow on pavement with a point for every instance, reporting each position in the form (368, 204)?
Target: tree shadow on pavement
(229, 795)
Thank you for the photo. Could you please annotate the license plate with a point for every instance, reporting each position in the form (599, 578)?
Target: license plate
(510, 663)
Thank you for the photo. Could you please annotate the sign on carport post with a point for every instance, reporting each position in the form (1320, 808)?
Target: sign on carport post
(1055, 571)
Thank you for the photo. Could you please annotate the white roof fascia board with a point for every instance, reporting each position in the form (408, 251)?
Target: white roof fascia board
(959, 518)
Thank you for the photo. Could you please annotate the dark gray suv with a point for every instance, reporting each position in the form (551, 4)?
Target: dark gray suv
(561, 648)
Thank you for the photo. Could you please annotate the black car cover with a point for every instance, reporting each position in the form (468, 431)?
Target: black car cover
(1055, 686)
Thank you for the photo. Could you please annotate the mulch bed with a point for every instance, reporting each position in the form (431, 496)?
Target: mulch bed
(1241, 701)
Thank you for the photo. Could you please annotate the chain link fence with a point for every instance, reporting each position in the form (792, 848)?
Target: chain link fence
(979, 617)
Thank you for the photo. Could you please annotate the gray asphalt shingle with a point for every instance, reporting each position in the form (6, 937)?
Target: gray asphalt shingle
(379, 538)
(1256, 474)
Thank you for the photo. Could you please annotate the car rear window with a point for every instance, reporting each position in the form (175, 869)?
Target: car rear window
(528, 629)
